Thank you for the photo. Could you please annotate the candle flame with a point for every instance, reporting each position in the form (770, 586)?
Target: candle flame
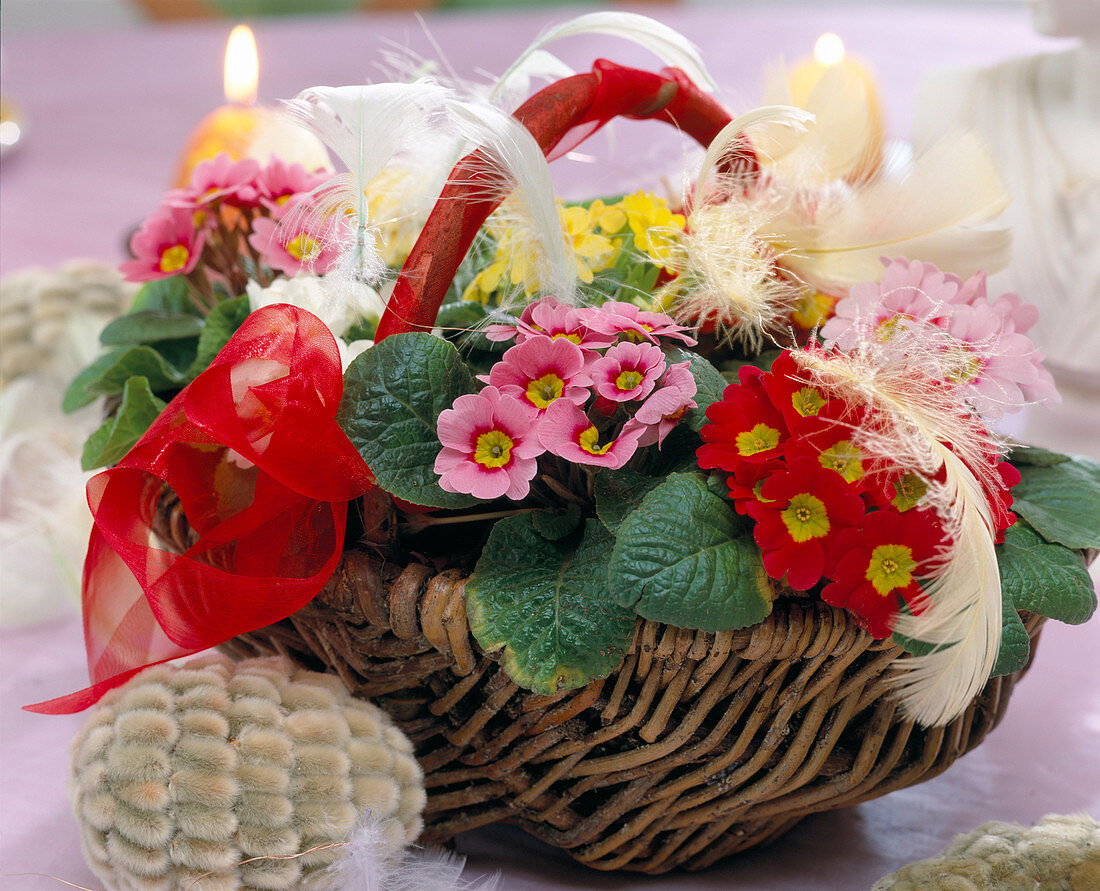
(242, 66)
(829, 49)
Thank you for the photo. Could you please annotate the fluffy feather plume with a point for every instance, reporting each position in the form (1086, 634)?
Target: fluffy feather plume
(729, 260)
(932, 211)
(368, 862)
(919, 424)
(364, 127)
(670, 46)
(517, 165)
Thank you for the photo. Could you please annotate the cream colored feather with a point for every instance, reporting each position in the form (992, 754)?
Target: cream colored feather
(837, 145)
(914, 422)
(931, 211)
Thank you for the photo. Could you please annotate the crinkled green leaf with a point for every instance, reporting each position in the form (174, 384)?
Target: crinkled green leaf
(1035, 456)
(682, 557)
(221, 324)
(1045, 578)
(117, 435)
(1061, 501)
(107, 376)
(1015, 644)
(618, 492)
(546, 606)
(708, 380)
(166, 295)
(150, 326)
(555, 524)
(393, 394)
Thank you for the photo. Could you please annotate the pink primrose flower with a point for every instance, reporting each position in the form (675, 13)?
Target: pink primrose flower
(627, 371)
(166, 244)
(667, 405)
(566, 431)
(909, 290)
(279, 182)
(489, 446)
(550, 318)
(997, 369)
(615, 318)
(291, 245)
(539, 371)
(219, 178)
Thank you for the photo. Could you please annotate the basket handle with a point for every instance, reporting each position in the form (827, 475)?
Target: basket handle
(591, 100)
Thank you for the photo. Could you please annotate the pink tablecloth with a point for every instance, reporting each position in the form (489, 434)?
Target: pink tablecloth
(106, 113)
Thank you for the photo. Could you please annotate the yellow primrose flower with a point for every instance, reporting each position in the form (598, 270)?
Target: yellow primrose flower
(656, 229)
(608, 218)
(591, 252)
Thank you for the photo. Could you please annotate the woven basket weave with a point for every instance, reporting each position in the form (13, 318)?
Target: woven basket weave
(698, 746)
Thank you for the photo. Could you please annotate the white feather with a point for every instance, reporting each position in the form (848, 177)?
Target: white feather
(670, 46)
(364, 127)
(373, 859)
(787, 117)
(729, 263)
(932, 211)
(914, 421)
(517, 157)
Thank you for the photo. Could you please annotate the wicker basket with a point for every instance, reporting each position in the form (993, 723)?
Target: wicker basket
(698, 746)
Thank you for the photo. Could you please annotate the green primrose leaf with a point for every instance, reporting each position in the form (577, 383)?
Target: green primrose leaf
(708, 380)
(107, 375)
(618, 492)
(166, 295)
(118, 433)
(1035, 456)
(555, 524)
(1045, 578)
(1061, 501)
(546, 606)
(150, 326)
(221, 324)
(1015, 644)
(393, 394)
(682, 557)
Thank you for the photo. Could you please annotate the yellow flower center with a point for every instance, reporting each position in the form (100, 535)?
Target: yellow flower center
(891, 566)
(908, 491)
(544, 390)
(807, 401)
(806, 517)
(760, 438)
(844, 458)
(494, 449)
(961, 365)
(174, 258)
(572, 338)
(629, 380)
(303, 248)
(589, 441)
(812, 309)
(887, 328)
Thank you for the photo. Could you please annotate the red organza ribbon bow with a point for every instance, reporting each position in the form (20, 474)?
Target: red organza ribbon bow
(264, 475)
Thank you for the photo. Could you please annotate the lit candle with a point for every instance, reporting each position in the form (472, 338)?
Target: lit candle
(243, 129)
(231, 127)
(841, 91)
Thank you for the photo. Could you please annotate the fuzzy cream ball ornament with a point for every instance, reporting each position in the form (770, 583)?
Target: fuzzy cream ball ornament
(185, 773)
(1059, 852)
